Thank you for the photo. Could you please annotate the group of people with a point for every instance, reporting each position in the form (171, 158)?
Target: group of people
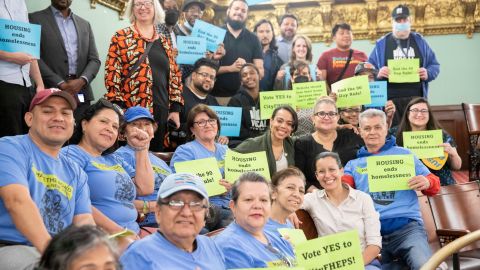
(87, 170)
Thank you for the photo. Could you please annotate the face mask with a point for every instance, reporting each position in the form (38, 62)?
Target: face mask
(187, 25)
(301, 79)
(401, 26)
(171, 16)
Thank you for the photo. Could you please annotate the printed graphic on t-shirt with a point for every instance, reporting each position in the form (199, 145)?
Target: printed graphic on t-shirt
(124, 190)
(160, 174)
(51, 181)
(52, 212)
(383, 198)
(339, 62)
(398, 54)
(257, 123)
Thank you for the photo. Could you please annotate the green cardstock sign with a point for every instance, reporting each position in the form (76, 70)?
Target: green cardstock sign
(294, 236)
(389, 173)
(352, 91)
(207, 169)
(270, 100)
(424, 144)
(307, 93)
(237, 163)
(403, 70)
(335, 251)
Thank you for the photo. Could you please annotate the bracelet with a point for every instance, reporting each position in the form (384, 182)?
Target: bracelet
(145, 208)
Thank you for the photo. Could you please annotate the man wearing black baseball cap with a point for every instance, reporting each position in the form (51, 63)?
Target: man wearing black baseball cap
(192, 10)
(402, 43)
(41, 191)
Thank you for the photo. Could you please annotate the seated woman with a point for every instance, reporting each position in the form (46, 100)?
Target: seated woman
(288, 189)
(338, 208)
(204, 127)
(326, 138)
(113, 183)
(140, 118)
(418, 116)
(276, 141)
(245, 242)
(77, 248)
(180, 212)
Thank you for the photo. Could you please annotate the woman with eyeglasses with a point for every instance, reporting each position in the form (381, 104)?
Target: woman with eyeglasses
(276, 141)
(418, 116)
(326, 137)
(245, 242)
(113, 183)
(181, 210)
(203, 127)
(141, 70)
(339, 208)
(140, 118)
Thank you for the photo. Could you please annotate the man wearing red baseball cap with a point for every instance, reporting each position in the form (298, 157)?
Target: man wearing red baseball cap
(41, 191)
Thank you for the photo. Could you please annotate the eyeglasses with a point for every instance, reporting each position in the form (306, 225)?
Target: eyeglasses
(206, 75)
(351, 110)
(147, 4)
(194, 206)
(325, 114)
(203, 123)
(103, 103)
(285, 259)
(417, 111)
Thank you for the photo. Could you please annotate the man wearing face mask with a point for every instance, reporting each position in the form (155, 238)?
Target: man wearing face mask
(171, 18)
(241, 46)
(191, 10)
(403, 43)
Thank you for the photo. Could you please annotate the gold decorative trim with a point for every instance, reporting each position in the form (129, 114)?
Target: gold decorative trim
(118, 5)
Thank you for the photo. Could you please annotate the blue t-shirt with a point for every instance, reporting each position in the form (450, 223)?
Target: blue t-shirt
(112, 190)
(160, 171)
(194, 150)
(58, 186)
(242, 250)
(155, 252)
(272, 226)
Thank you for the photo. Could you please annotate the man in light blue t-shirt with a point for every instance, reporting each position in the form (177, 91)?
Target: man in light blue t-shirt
(182, 205)
(41, 191)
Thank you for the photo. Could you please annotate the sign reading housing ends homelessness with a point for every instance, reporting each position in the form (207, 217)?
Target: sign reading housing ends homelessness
(230, 120)
(213, 34)
(389, 173)
(403, 70)
(339, 251)
(20, 37)
(352, 91)
(270, 100)
(190, 49)
(207, 169)
(424, 144)
(238, 163)
(307, 93)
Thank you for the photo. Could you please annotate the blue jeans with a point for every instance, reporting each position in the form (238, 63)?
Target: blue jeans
(373, 265)
(407, 247)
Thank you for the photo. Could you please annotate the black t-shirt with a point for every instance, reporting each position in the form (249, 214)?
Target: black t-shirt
(401, 49)
(191, 100)
(246, 46)
(160, 72)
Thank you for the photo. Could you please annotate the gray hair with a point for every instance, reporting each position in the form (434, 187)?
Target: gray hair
(251, 177)
(371, 113)
(158, 17)
(325, 100)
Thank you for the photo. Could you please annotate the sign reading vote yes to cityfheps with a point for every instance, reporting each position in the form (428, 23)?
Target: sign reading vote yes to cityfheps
(20, 37)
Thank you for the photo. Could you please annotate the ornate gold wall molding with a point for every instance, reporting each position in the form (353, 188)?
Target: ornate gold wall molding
(118, 5)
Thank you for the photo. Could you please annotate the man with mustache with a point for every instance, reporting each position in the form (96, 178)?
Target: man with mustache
(402, 43)
(241, 46)
(288, 29)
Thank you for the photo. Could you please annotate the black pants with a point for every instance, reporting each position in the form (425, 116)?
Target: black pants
(14, 102)
(81, 108)
(160, 114)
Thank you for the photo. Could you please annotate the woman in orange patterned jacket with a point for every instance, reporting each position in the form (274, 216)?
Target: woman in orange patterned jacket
(152, 81)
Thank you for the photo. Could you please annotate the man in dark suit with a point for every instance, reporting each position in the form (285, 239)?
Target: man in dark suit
(68, 55)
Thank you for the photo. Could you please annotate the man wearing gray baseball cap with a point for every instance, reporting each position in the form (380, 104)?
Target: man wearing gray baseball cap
(181, 210)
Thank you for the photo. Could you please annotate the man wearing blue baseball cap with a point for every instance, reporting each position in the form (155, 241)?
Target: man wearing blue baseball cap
(180, 212)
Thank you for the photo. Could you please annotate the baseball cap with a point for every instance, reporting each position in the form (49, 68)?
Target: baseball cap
(365, 66)
(137, 112)
(400, 11)
(187, 4)
(176, 182)
(43, 95)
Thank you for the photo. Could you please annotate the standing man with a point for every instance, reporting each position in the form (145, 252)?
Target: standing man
(15, 71)
(288, 29)
(191, 11)
(68, 55)
(242, 47)
(402, 43)
(41, 191)
(340, 62)
(169, 28)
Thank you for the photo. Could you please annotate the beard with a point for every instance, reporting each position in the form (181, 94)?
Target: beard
(199, 87)
(236, 25)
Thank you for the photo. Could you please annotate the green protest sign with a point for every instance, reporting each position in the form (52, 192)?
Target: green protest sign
(336, 251)
(403, 70)
(273, 267)
(388, 173)
(294, 236)
(352, 91)
(207, 169)
(307, 93)
(238, 163)
(424, 144)
(270, 100)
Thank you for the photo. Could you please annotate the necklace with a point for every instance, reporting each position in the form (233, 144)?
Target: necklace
(154, 36)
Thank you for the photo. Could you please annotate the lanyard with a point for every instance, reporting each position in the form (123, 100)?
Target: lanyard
(401, 48)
